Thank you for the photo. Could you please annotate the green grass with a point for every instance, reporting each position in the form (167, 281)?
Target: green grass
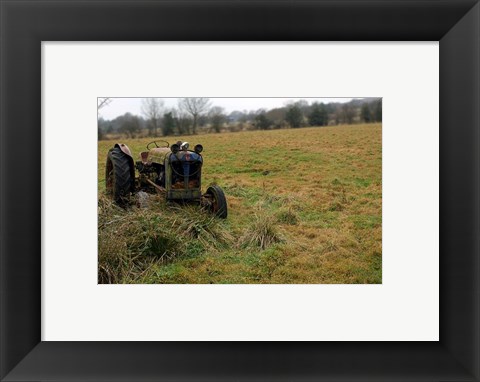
(305, 206)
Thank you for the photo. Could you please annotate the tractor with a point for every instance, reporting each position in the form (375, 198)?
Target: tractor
(174, 171)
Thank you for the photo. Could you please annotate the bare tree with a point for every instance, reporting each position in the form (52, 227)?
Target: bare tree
(152, 109)
(195, 107)
(129, 124)
(217, 118)
(182, 121)
(103, 101)
(348, 113)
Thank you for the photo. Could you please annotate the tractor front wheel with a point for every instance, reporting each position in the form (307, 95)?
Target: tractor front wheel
(216, 201)
(118, 178)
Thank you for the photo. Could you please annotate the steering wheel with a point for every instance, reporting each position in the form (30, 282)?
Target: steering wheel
(156, 143)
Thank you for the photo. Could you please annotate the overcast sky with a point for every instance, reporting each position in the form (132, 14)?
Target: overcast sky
(120, 106)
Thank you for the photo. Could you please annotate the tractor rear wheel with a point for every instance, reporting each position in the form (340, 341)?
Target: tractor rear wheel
(118, 178)
(218, 202)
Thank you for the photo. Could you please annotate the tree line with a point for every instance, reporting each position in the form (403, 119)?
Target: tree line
(194, 115)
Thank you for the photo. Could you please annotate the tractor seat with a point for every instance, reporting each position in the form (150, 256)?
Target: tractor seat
(144, 157)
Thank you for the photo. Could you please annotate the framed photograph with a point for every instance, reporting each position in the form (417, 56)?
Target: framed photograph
(222, 190)
(406, 193)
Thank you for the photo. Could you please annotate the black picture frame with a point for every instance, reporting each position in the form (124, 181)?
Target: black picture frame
(25, 24)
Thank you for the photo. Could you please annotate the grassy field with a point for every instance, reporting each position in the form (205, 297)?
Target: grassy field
(305, 206)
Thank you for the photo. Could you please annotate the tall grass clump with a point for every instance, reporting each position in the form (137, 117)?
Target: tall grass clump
(133, 242)
(194, 223)
(130, 242)
(262, 232)
(287, 216)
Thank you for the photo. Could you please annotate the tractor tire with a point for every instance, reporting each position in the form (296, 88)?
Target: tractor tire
(219, 202)
(118, 178)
